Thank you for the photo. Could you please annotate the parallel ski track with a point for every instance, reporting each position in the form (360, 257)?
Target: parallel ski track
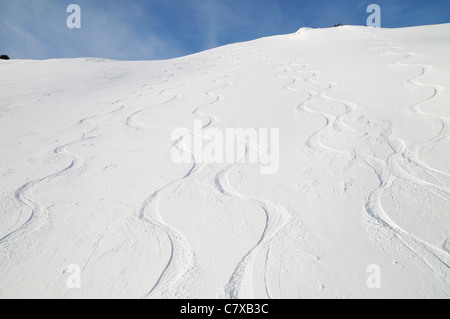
(276, 218)
(392, 170)
(182, 262)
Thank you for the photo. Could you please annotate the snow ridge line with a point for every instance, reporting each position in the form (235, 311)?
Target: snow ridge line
(39, 215)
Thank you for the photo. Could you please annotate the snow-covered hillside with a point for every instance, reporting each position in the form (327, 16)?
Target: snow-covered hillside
(362, 190)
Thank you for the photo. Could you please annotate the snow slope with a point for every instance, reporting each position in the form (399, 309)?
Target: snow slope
(87, 176)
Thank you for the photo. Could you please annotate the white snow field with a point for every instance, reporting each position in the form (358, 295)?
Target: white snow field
(359, 208)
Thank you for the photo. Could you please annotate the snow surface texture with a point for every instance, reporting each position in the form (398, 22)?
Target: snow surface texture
(87, 176)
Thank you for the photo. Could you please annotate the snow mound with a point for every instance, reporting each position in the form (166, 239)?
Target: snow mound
(93, 205)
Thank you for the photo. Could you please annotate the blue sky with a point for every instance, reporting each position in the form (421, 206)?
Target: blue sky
(161, 29)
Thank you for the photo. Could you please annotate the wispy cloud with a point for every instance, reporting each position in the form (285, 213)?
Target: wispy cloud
(112, 29)
(156, 29)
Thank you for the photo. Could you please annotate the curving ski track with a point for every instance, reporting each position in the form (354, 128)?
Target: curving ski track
(391, 170)
(39, 215)
(181, 263)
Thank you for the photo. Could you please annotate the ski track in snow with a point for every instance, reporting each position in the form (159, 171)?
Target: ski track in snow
(391, 170)
(25, 194)
(403, 163)
(332, 122)
(386, 172)
(181, 265)
(132, 119)
(181, 255)
(276, 218)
